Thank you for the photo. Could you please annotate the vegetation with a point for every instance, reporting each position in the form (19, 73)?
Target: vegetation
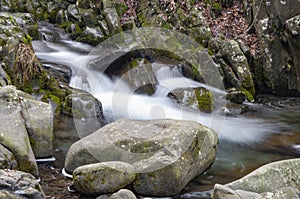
(26, 67)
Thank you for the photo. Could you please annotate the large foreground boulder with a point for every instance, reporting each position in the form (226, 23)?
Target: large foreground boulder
(275, 180)
(164, 154)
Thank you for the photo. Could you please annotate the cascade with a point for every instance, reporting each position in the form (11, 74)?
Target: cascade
(119, 101)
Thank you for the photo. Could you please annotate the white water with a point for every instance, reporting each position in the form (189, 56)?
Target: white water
(119, 101)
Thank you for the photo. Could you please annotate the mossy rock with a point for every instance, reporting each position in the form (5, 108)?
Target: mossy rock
(102, 178)
(195, 98)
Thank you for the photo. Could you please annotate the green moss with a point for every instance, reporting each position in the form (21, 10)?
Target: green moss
(217, 7)
(55, 99)
(145, 147)
(143, 19)
(88, 39)
(26, 39)
(73, 28)
(121, 8)
(248, 94)
(34, 32)
(205, 100)
(89, 106)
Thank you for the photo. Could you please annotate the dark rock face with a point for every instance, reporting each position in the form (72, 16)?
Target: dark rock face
(277, 26)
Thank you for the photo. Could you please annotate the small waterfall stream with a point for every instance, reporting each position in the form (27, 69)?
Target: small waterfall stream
(120, 102)
(242, 138)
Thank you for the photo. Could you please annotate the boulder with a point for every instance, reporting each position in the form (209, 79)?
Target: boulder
(92, 36)
(85, 110)
(102, 178)
(275, 180)
(38, 117)
(238, 62)
(140, 76)
(164, 154)
(27, 128)
(287, 192)
(270, 177)
(236, 96)
(196, 98)
(223, 192)
(113, 20)
(14, 135)
(17, 185)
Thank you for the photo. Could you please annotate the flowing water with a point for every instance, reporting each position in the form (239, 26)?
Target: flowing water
(269, 132)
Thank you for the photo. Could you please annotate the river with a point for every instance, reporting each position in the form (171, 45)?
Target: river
(270, 131)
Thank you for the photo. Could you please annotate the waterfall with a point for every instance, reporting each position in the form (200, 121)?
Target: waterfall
(119, 101)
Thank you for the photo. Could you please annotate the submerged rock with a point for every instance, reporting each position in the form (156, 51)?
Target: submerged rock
(164, 154)
(17, 185)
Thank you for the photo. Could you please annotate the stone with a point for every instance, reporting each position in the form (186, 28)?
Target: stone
(85, 110)
(13, 132)
(270, 177)
(236, 59)
(17, 185)
(165, 154)
(91, 36)
(224, 192)
(113, 20)
(287, 192)
(196, 98)
(7, 159)
(123, 194)
(38, 117)
(236, 96)
(140, 76)
(293, 25)
(102, 178)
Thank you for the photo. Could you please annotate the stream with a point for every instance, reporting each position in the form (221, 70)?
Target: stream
(270, 131)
